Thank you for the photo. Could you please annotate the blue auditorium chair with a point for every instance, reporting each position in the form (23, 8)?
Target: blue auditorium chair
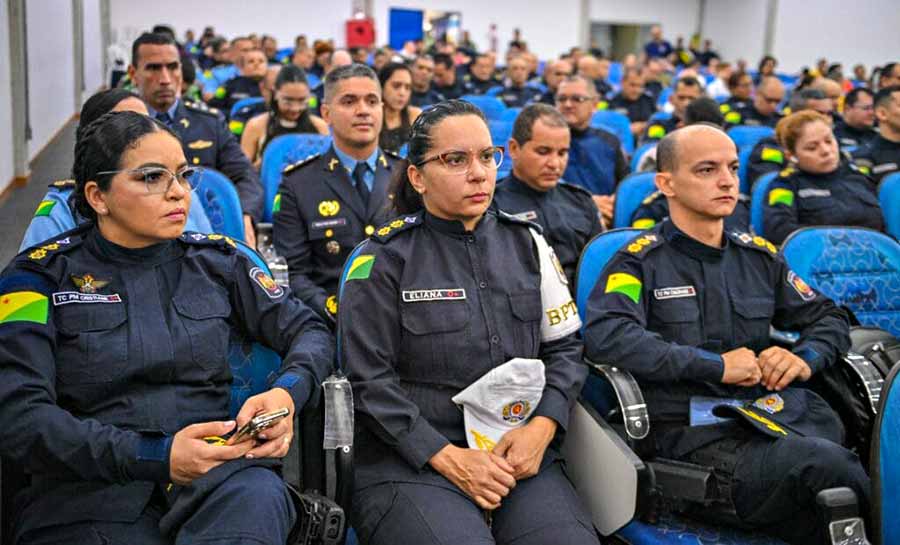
(281, 152)
(885, 463)
(244, 103)
(629, 194)
(744, 153)
(663, 97)
(492, 107)
(510, 114)
(758, 201)
(638, 154)
(889, 199)
(501, 131)
(661, 116)
(618, 124)
(615, 73)
(284, 53)
(749, 135)
(856, 267)
(220, 200)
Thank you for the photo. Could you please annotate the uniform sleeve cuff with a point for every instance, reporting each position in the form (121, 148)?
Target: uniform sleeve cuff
(810, 355)
(299, 387)
(710, 366)
(151, 462)
(555, 406)
(421, 443)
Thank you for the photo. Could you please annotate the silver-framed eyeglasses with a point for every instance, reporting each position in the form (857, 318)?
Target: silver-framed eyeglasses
(458, 161)
(160, 179)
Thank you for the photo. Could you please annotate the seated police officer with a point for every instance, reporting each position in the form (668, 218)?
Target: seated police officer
(596, 161)
(881, 155)
(516, 94)
(228, 69)
(596, 70)
(480, 78)
(252, 68)
(763, 110)
(686, 308)
(856, 127)
(447, 82)
(114, 377)
(687, 89)
(534, 192)
(328, 203)
(817, 188)
(740, 85)
(436, 299)
(633, 102)
(423, 93)
(156, 71)
(55, 213)
(655, 208)
(554, 73)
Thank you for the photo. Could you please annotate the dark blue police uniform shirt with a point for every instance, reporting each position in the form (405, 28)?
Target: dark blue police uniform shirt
(596, 161)
(878, 158)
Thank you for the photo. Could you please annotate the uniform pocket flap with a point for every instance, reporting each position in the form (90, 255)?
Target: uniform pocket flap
(675, 311)
(422, 318)
(212, 305)
(90, 317)
(526, 306)
(754, 308)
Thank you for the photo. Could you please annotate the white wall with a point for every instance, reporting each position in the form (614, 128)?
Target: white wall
(736, 28)
(283, 19)
(93, 48)
(549, 27)
(848, 32)
(6, 142)
(677, 17)
(51, 70)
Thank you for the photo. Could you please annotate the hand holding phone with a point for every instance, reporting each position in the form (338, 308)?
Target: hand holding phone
(257, 424)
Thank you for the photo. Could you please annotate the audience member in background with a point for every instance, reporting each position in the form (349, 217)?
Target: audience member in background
(359, 55)
(596, 161)
(687, 89)
(881, 155)
(220, 75)
(252, 66)
(707, 54)
(303, 58)
(740, 86)
(155, 70)
(55, 213)
(329, 202)
(764, 108)
(718, 88)
(655, 208)
(422, 75)
(322, 51)
(335, 59)
(288, 113)
(399, 114)
(539, 148)
(189, 88)
(816, 188)
(270, 47)
(654, 71)
(657, 47)
(832, 91)
(596, 70)
(766, 69)
(480, 78)
(859, 75)
(889, 75)
(634, 102)
(516, 94)
(447, 82)
(856, 127)
(382, 57)
(554, 72)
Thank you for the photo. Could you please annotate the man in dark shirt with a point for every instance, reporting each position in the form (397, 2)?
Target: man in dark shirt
(481, 75)
(764, 108)
(554, 73)
(422, 74)
(657, 47)
(881, 156)
(856, 127)
(446, 81)
(633, 101)
(516, 94)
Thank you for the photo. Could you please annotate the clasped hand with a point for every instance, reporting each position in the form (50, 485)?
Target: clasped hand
(775, 368)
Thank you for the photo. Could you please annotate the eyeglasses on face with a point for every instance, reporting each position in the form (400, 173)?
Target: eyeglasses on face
(577, 99)
(159, 179)
(459, 162)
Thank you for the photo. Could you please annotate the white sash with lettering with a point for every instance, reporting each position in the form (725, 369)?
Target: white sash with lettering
(560, 313)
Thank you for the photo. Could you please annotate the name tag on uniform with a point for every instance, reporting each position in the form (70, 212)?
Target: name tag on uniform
(416, 296)
(848, 142)
(807, 193)
(528, 215)
(884, 167)
(66, 297)
(674, 293)
(325, 224)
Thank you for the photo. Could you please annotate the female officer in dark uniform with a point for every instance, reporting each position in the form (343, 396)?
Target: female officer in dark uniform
(816, 189)
(457, 290)
(113, 343)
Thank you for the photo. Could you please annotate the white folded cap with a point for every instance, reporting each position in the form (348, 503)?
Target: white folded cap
(503, 399)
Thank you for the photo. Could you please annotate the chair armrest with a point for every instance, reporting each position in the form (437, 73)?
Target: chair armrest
(631, 400)
(870, 377)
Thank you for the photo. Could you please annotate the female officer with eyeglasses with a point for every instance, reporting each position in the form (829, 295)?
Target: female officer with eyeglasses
(434, 300)
(113, 370)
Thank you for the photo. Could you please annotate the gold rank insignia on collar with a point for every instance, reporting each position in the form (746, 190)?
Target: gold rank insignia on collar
(334, 162)
(200, 144)
(382, 160)
(184, 121)
(88, 284)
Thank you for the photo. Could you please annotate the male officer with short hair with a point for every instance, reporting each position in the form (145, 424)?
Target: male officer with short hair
(328, 203)
(686, 308)
(155, 70)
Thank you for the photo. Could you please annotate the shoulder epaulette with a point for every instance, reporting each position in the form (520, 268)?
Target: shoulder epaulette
(575, 188)
(63, 184)
(41, 254)
(216, 240)
(397, 225)
(510, 218)
(201, 107)
(772, 155)
(755, 242)
(785, 172)
(651, 197)
(734, 117)
(642, 245)
(393, 155)
(294, 166)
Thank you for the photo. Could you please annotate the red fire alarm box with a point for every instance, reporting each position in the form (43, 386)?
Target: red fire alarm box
(360, 33)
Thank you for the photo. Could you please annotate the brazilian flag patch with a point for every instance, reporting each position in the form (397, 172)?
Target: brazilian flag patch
(656, 131)
(361, 267)
(772, 155)
(23, 306)
(643, 223)
(276, 204)
(236, 127)
(626, 284)
(781, 196)
(44, 208)
(733, 117)
(220, 92)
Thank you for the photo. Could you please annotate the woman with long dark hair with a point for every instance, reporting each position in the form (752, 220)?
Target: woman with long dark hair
(399, 115)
